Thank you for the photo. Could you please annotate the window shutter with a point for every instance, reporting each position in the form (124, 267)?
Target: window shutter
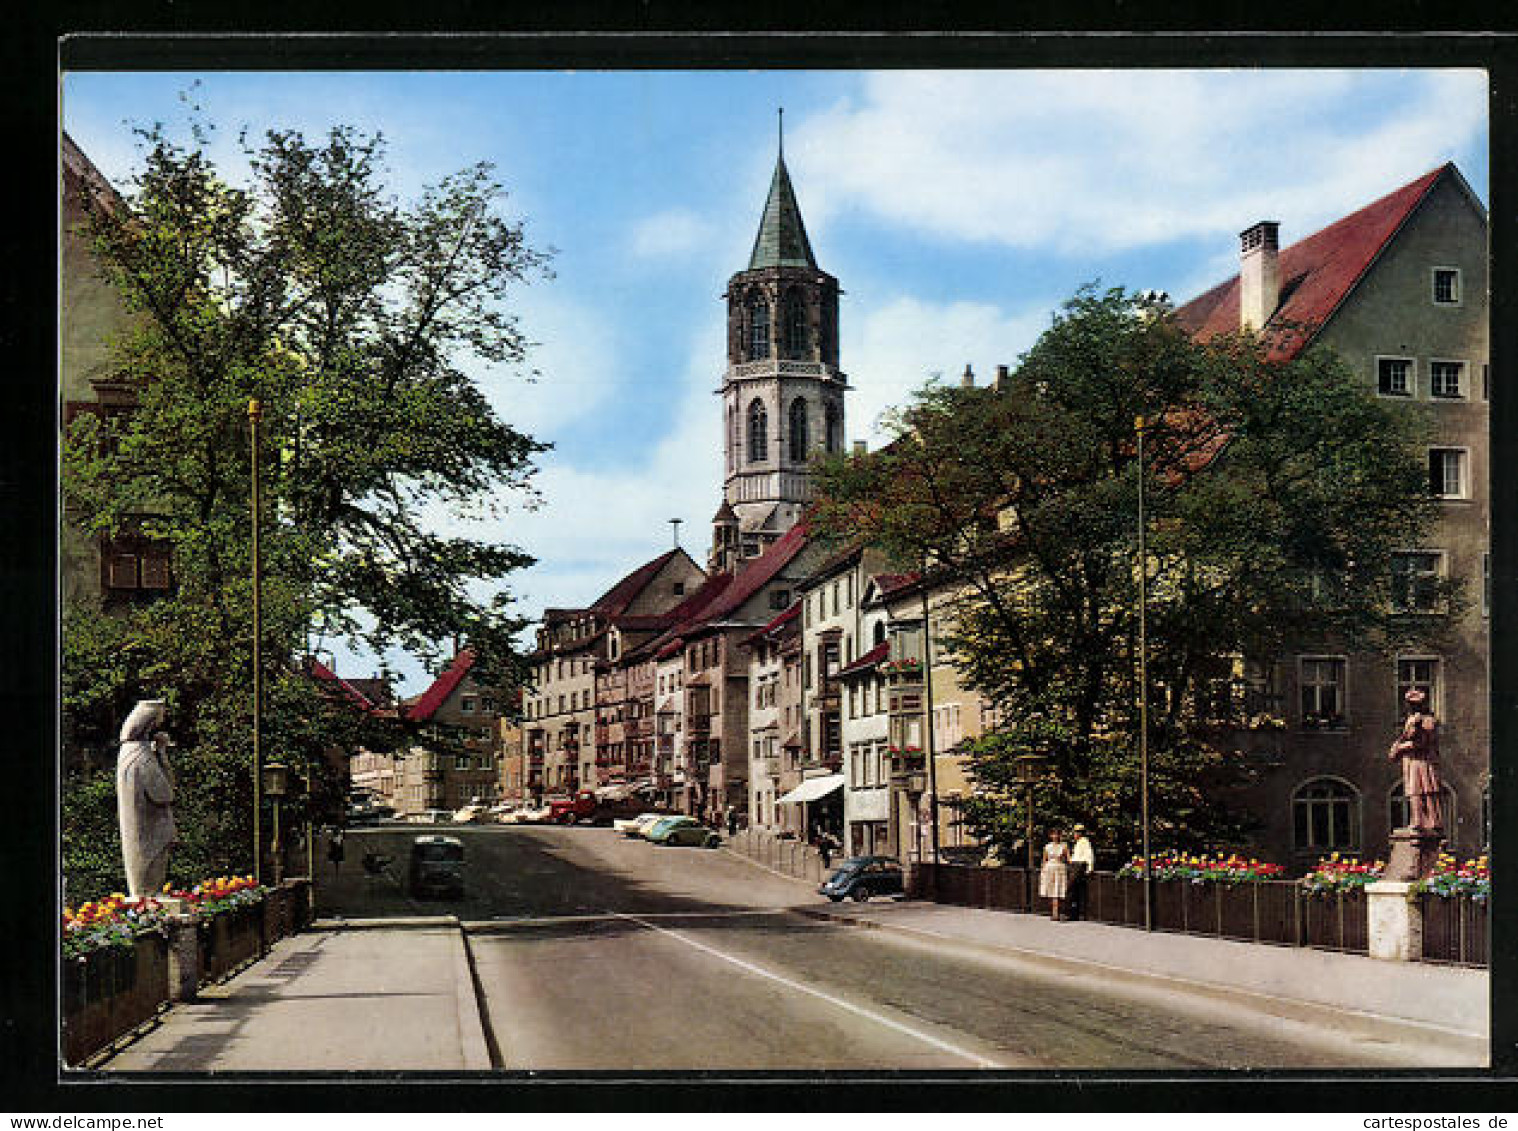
(155, 569)
(122, 571)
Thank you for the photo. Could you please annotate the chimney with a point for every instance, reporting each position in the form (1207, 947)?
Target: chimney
(968, 380)
(1259, 274)
(861, 447)
(1001, 378)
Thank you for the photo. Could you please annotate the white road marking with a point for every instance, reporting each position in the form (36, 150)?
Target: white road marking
(880, 1019)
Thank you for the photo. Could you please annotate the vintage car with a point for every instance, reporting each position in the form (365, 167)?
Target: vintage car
(864, 876)
(683, 831)
(437, 866)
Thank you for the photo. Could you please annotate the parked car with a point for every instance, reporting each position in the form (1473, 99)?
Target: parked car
(437, 866)
(637, 826)
(471, 814)
(654, 831)
(864, 876)
(686, 831)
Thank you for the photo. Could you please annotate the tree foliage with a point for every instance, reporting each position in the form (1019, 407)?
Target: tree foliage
(354, 320)
(1275, 494)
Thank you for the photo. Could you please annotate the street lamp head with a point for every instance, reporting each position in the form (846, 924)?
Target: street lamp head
(276, 779)
(1030, 768)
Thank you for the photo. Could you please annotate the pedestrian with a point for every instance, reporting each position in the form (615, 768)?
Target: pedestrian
(1082, 864)
(1054, 876)
(825, 849)
(732, 820)
(335, 851)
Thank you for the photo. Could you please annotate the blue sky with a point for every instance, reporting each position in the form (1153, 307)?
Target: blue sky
(957, 209)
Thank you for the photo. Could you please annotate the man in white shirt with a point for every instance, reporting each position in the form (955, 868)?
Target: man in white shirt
(1082, 864)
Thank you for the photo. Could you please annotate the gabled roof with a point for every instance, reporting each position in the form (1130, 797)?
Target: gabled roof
(615, 600)
(890, 583)
(425, 706)
(779, 622)
(326, 675)
(1317, 274)
(869, 659)
(759, 572)
(781, 241)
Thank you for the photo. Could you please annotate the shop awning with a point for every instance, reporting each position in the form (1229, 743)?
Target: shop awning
(812, 789)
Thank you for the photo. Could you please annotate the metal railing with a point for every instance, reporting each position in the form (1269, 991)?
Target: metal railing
(784, 854)
(1456, 929)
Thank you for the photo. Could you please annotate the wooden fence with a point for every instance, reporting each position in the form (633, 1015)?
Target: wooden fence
(1280, 912)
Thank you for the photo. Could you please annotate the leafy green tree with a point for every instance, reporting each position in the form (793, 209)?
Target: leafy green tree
(353, 319)
(1275, 494)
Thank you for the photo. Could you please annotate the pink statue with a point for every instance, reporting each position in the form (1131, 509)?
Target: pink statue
(1418, 748)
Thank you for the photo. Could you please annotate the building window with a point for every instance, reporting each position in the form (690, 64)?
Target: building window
(466, 704)
(1394, 376)
(679, 589)
(798, 430)
(758, 431)
(1325, 815)
(134, 564)
(834, 430)
(1446, 473)
(1447, 286)
(1322, 683)
(780, 600)
(1421, 672)
(795, 326)
(1446, 380)
(1415, 581)
(461, 761)
(758, 329)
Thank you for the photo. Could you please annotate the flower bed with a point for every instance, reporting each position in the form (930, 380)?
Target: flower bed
(1340, 874)
(1220, 869)
(1473, 879)
(116, 922)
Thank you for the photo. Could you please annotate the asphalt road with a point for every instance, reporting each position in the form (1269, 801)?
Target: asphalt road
(594, 952)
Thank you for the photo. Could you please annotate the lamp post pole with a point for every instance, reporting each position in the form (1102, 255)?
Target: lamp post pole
(255, 416)
(927, 702)
(1141, 424)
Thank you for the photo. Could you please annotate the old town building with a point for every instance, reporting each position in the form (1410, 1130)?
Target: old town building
(1398, 290)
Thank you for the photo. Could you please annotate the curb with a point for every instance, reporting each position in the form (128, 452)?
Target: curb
(415, 922)
(474, 1047)
(1296, 1009)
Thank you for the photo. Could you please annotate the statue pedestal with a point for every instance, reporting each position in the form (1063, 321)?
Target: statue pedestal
(184, 956)
(1395, 923)
(1414, 854)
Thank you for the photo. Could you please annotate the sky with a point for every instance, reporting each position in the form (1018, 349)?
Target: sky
(958, 210)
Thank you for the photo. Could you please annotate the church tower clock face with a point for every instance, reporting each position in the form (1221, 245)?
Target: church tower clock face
(782, 391)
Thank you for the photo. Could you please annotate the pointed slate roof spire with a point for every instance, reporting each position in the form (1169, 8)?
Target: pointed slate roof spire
(781, 241)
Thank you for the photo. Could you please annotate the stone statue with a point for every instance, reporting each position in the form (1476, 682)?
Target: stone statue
(144, 794)
(1418, 749)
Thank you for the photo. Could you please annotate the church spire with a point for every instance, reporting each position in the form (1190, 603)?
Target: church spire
(781, 241)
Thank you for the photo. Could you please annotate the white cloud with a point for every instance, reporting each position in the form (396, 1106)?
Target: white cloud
(673, 233)
(894, 347)
(1083, 162)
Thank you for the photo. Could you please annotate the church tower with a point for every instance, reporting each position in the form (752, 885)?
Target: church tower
(782, 393)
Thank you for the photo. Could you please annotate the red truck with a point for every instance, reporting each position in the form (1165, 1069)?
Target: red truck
(586, 806)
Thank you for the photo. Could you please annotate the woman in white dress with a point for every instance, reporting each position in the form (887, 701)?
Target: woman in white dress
(1054, 876)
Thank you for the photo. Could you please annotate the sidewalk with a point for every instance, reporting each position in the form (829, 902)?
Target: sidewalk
(318, 1000)
(1449, 1000)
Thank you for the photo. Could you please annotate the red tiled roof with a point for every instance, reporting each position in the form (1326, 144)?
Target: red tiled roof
(890, 582)
(616, 599)
(320, 671)
(778, 622)
(759, 572)
(430, 700)
(869, 659)
(1317, 273)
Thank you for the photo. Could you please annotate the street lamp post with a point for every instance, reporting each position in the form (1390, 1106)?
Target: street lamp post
(1141, 425)
(1029, 768)
(276, 784)
(255, 416)
(927, 703)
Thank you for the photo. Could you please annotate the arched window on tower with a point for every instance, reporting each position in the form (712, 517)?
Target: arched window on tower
(732, 437)
(758, 328)
(758, 431)
(834, 430)
(793, 321)
(799, 438)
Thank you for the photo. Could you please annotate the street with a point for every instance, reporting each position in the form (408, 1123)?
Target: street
(595, 952)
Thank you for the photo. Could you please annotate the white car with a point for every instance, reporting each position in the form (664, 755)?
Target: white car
(637, 826)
